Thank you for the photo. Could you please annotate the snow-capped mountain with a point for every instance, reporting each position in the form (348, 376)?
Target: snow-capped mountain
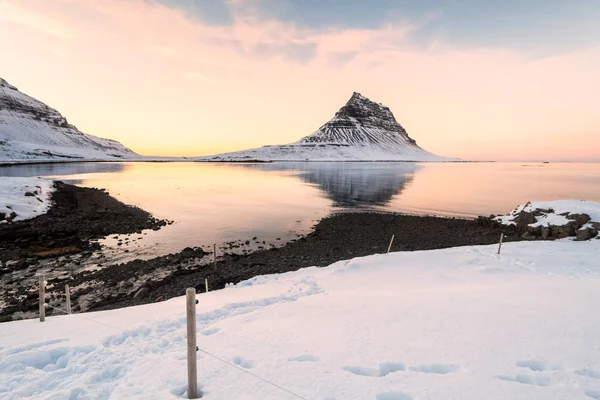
(361, 130)
(32, 131)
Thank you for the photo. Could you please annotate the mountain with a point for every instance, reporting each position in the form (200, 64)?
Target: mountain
(361, 130)
(32, 131)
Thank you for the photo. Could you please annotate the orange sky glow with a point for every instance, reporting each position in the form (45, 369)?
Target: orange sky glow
(163, 83)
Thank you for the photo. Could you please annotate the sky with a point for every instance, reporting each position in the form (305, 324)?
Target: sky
(475, 79)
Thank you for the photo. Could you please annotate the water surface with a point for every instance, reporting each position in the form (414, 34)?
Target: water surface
(216, 203)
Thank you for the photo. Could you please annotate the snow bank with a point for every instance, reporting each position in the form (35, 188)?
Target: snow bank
(25, 197)
(558, 207)
(461, 323)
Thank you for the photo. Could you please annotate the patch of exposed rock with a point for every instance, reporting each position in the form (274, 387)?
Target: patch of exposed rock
(545, 224)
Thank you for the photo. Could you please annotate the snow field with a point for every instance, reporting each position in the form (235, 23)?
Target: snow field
(460, 323)
(13, 199)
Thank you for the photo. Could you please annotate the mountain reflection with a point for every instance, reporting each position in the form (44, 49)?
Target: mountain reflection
(350, 184)
(52, 169)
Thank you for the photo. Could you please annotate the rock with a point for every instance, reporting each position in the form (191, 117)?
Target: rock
(528, 236)
(21, 264)
(535, 230)
(143, 291)
(596, 225)
(581, 219)
(11, 216)
(523, 219)
(586, 234)
(545, 231)
(247, 242)
(29, 194)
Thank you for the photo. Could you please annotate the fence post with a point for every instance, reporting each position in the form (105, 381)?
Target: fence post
(42, 298)
(500, 244)
(390, 246)
(191, 343)
(68, 295)
(215, 256)
(206, 284)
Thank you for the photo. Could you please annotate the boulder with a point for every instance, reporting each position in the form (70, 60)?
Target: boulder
(523, 219)
(535, 230)
(545, 231)
(143, 291)
(580, 219)
(528, 236)
(586, 234)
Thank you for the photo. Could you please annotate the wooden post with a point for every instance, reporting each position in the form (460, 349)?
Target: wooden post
(42, 298)
(215, 256)
(500, 244)
(390, 246)
(191, 343)
(68, 295)
(206, 284)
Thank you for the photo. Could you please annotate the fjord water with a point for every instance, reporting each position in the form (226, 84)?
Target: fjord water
(219, 202)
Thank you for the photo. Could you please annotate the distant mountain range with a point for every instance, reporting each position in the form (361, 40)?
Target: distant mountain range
(361, 130)
(32, 131)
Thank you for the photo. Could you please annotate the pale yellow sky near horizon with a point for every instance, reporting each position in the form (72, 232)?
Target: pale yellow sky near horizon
(163, 83)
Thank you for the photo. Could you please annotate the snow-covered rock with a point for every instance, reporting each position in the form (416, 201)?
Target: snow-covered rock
(462, 323)
(361, 130)
(32, 131)
(23, 198)
(554, 219)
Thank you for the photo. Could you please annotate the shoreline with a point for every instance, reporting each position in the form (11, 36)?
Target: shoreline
(337, 237)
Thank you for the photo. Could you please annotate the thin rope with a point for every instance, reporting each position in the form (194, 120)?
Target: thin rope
(251, 374)
(198, 349)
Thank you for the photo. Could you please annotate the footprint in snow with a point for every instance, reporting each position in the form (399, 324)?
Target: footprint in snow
(535, 380)
(538, 366)
(305, 358)
(393, 396)
(384, 369)
(589, 373)
(435, 368)
(242, 362)
(210, 331)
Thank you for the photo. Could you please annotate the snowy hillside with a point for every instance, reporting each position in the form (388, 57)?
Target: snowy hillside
(361, 130)
(462, 323)
(32, 131)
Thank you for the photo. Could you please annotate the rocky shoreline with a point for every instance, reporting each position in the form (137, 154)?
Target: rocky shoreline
(61, 241)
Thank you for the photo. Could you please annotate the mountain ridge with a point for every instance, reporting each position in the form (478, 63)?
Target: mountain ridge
(30, 130)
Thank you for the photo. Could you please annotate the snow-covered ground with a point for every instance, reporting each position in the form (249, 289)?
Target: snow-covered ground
(14, 200)
(460, 323)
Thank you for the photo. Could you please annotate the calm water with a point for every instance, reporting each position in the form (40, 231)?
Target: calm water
(222, 202)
